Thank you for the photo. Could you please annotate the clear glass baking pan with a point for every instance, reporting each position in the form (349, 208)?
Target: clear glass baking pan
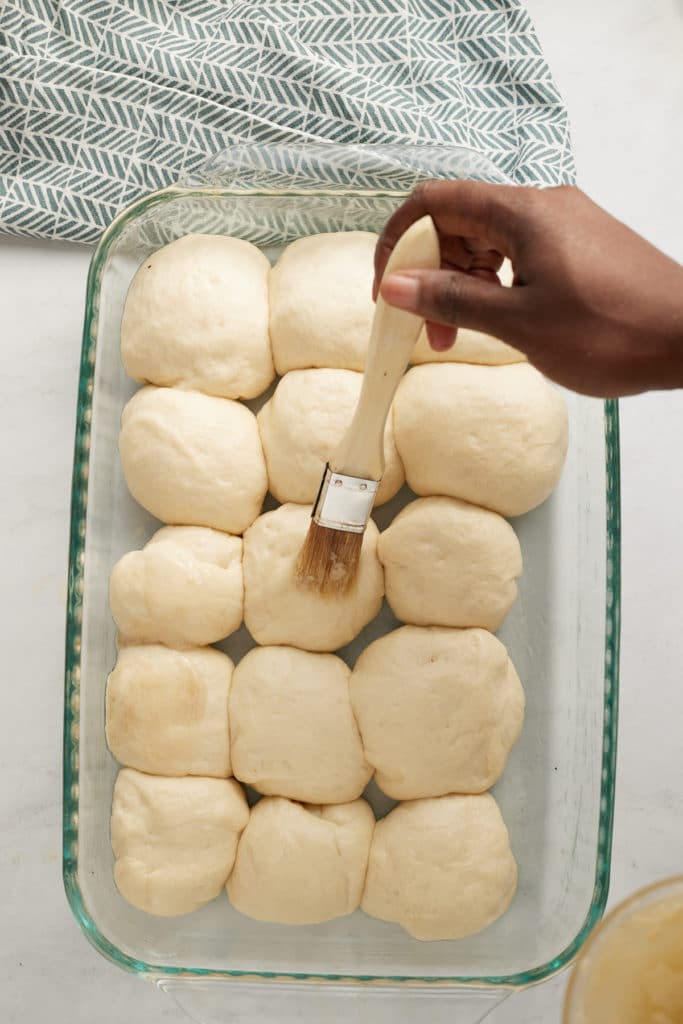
(563, 634)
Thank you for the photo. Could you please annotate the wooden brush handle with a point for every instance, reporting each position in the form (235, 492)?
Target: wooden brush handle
(392, 340)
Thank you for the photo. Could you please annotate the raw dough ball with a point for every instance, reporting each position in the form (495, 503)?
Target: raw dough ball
(167, 711)
(492, 435)
(303, 423)
(321, 304)
(441, 868)
(438, 710)
(472, 346)
(301, 864)
(196, 316)
(280, 610)
(447, 563)
(193, 460)
(292, 731)
(184, 588)
(174, 840)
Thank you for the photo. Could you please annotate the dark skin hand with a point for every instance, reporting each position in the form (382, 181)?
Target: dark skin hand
(593, 305)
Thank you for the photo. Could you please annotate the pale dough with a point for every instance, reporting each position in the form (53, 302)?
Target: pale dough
(438, 710)
(471, 346)
(193, 460)
(196, 316)
(167, 710)
(302, 425)
(292, 731)
(174, 840)
(321, 304)
(300, 864)
(278, 609)
(448, 563)
(441, 868)
(492, 435)
(184, 588)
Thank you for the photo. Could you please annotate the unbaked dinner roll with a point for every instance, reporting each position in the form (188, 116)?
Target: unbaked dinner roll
(301, 864)
(279, 609)
(196, 316)
(492, 435)
(174, 840)
(193, 460)
(184, 588)
(471, 346)
(448, 563)
(292, 730)
(167, 710)
(321, 304)
(438, 710)
(302, 424)
(441, 868)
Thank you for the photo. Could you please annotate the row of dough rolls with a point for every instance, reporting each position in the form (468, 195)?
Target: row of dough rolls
(206, 313)
(427, 710)
(440, 562)
(493, 436)
(441, 867)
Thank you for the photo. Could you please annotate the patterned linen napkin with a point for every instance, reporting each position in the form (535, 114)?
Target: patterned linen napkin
(103, 100)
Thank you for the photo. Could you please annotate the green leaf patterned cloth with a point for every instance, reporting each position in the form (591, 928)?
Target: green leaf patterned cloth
(103, 100)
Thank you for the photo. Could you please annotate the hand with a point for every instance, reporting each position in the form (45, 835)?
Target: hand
(593, 305)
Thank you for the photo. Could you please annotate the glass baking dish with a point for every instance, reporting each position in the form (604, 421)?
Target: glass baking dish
(563, 635)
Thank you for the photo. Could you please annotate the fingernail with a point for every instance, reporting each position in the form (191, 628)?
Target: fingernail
(441, 344)
(441, 337)
(400, 291)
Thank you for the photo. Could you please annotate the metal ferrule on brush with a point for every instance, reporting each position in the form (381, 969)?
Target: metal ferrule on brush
(344, 502)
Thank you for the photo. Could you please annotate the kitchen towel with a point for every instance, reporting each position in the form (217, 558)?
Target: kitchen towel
(103, 100)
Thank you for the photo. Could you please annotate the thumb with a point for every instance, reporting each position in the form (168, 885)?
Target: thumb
(456, 299)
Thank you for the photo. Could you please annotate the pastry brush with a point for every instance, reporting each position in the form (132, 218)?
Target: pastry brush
(329, 557)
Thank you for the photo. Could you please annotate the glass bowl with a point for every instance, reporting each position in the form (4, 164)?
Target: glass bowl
(631, 931)
(563, 635)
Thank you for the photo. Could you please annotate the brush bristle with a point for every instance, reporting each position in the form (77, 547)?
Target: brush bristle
(328, 561)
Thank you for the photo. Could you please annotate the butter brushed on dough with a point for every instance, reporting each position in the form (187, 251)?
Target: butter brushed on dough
(278, 609)
(167, 710)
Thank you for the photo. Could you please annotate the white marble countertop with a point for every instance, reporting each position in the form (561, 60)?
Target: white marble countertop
(618, 64)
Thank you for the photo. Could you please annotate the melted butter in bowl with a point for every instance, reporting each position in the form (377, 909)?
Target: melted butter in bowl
(632, 969)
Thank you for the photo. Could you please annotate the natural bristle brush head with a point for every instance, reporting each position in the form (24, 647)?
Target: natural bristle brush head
(329, 559)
